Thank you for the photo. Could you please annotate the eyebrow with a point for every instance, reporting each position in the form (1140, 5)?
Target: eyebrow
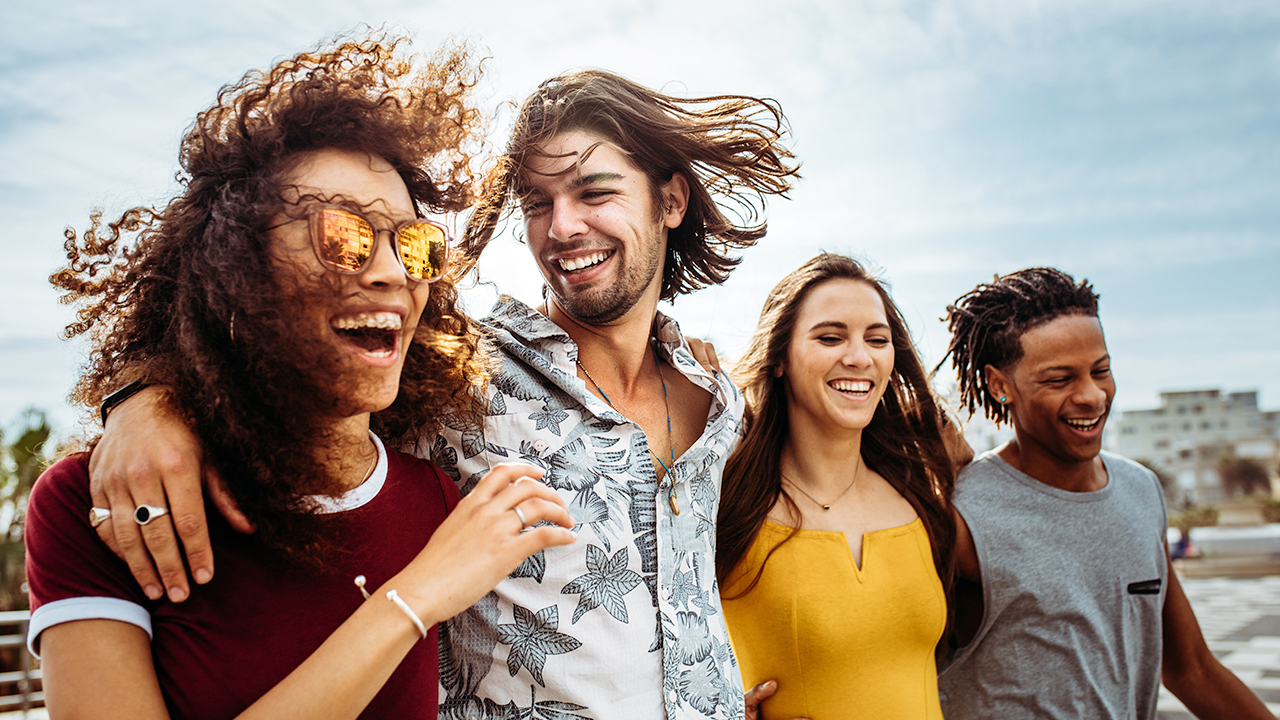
(836, 324)
(523, 191)
(593, 178)
(1068, 368)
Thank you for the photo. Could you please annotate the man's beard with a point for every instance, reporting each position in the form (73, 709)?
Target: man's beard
(604, 306)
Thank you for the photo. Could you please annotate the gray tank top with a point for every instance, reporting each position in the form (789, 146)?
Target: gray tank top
(1073, 587)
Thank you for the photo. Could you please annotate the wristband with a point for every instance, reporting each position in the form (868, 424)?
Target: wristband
(119, 396)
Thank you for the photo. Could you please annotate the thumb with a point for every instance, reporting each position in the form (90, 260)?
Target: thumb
(226, 505)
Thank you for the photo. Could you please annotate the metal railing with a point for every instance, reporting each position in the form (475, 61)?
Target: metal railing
(26, 679)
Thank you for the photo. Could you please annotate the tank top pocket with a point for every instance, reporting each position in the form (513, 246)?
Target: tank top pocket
(1143, 600)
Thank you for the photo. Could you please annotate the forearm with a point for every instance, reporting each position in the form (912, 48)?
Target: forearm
(1212, 692)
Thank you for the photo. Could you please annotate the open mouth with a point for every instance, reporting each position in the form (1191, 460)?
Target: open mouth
(856, 388)
(1084, 424)
(572, 265)
(375, 334)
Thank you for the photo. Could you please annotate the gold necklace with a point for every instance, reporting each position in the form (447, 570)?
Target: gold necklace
(827, 506)
(671, 494)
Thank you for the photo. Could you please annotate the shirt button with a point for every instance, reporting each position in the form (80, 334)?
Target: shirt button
(665, 593)
(672, 697)
(539, 445)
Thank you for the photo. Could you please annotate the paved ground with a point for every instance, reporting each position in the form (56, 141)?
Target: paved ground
(1240, 619)
(1241, 622)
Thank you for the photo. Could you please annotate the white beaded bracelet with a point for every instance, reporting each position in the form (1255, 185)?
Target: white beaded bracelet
(394, 597)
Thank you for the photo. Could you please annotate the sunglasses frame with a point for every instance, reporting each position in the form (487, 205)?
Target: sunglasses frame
(315, 227)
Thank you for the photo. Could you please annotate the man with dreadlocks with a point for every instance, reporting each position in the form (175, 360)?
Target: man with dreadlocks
(1074, 611)
(622, 192)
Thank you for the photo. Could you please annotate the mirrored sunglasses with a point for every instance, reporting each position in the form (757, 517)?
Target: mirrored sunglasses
(344, 241)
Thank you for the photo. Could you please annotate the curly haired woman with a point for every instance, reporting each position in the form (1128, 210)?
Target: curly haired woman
(293, 301)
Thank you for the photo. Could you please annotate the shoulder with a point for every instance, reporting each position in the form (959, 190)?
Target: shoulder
(406, 468)
(982, 470)
(63, 488)
(1126, 472)
(1135, 483)
(1126, 467)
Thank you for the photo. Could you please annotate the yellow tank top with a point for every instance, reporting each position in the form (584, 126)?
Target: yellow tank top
(842, 641)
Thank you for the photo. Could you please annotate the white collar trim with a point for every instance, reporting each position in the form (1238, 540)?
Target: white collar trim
(362, 494)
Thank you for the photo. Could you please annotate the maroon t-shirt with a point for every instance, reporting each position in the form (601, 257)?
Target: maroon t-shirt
(240, 635)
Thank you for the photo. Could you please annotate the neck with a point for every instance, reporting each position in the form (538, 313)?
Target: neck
(820, 460)
(1065, 474)
(617, 355)
(347, 452)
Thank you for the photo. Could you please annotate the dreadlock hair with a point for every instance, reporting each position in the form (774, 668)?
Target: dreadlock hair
(196, 303)
(988, 322)
(725, 145)
(903, 442)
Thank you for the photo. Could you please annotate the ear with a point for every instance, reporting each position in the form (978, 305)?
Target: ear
(999, 383)
(779, 370)
(675, 200)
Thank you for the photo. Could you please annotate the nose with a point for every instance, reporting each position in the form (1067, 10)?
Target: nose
(384, 268)
(567, 220)
(1092, 394)
(856, 355)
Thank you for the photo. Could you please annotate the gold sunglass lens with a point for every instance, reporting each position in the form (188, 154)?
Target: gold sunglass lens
(346, 239)
(422, 249)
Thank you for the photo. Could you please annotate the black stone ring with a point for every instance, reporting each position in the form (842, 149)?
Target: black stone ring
(146, 513)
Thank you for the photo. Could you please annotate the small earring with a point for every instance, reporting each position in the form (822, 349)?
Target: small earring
(1003, 399)
(233, 326)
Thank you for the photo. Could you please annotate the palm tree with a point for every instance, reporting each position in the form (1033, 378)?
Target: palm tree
(1243, 476)
(21, 462)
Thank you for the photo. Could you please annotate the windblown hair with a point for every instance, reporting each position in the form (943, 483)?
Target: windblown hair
(903, 441)
(195, 302)
(726, 145)
(988, 322)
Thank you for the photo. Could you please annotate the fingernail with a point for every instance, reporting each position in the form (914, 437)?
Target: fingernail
(203, 576)
(153, 592)
(177, 594)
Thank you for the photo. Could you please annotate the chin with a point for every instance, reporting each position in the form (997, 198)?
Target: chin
(365, 399)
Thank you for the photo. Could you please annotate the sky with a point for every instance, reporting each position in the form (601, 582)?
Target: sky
(1130, 142)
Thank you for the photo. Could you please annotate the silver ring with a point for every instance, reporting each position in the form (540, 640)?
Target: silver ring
(97, 515)
(146, 513)
(524, 522)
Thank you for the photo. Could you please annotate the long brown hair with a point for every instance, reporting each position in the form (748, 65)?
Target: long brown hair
(194, 301)
(903, 442)
(727, 145)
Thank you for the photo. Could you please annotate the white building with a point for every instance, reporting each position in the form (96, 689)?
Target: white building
(1192, 430)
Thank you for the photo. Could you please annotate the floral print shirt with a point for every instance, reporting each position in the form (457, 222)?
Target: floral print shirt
(625, 622)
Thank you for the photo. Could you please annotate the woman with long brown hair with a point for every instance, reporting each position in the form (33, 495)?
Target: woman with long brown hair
(835, 531)
(294, 301)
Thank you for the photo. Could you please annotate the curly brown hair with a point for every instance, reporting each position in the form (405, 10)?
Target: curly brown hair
(903, 442)
(726, 145)
(195, 303)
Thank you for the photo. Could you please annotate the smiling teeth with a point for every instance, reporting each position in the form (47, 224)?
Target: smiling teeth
(856, 386)
(379, 320)
(1083, 423)
(585, 261)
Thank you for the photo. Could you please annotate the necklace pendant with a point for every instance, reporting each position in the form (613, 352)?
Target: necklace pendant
(826, 507)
